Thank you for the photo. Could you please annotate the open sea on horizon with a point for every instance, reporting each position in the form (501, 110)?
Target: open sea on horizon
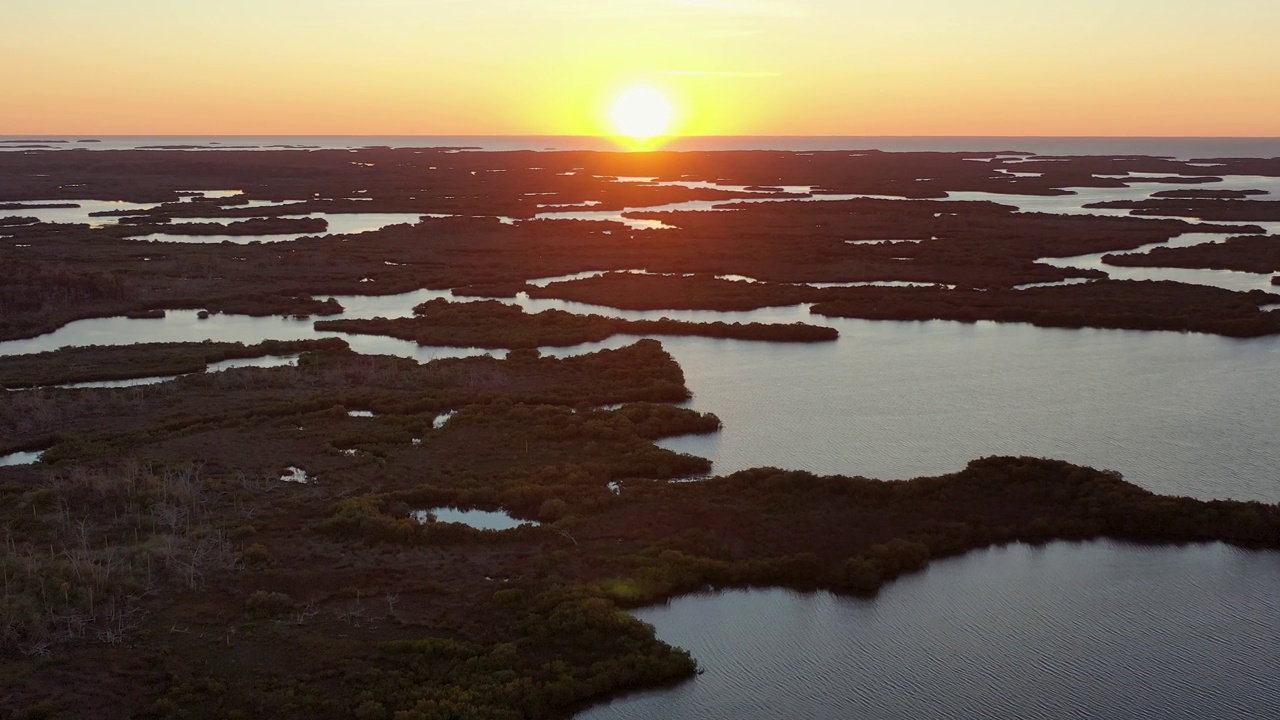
(1184, 148)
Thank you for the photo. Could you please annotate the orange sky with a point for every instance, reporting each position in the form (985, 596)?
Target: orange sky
(756, 67)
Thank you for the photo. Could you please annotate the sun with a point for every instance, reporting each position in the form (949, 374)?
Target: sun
(641, 113)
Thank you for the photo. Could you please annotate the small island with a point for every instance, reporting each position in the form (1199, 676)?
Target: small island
(1255, 254)
(494, 325)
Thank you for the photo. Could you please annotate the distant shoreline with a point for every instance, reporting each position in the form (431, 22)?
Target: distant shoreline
(1178, 147)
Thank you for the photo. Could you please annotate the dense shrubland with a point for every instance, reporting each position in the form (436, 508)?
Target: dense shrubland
(256, 226)
(1129, 305)
(1208, 208)
(1256, 254)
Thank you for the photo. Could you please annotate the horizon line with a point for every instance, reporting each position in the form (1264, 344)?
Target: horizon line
(604, 137)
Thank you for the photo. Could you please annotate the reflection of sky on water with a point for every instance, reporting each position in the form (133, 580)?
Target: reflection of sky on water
(478, 519)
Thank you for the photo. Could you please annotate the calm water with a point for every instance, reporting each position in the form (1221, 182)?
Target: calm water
(1184, 148)
(1063, 632)
(478, 519)
(1178, 414)
(20, 458)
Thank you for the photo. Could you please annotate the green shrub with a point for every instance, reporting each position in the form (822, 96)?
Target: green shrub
(268, 604)
(257, 555)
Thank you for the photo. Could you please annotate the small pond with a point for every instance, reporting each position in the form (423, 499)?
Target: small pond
(20, 458)
(478, 519)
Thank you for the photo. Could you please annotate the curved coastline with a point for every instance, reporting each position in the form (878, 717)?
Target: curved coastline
(1058, 631)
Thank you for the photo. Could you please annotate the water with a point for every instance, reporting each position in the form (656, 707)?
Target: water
(1056, 283)
(478, 519)
(1225, 279)
(339, 224)
(1136, 402)
(861, 283)
(81, 214)
(1138, 188)
(1097, 630)
(296, 475)
(186, 326)
(20, 458)
(100, 384)
(721, 205)
(268, 361)
(1182, 414)
(1183, 148)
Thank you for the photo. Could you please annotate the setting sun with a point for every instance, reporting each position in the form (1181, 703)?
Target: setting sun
(641, 113)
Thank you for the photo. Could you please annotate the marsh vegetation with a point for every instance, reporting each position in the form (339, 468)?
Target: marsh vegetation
(249, 543)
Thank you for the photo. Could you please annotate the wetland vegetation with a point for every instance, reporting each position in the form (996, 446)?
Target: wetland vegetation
(495, 325)
(239, 544)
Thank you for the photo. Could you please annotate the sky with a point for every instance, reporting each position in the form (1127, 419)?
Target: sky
(729, 67)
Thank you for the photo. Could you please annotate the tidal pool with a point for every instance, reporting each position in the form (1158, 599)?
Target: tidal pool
(1061, 632)
(296, 475)
(478, 519)
(20, 458)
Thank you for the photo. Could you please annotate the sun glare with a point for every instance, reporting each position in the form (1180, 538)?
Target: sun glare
(641, 114)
